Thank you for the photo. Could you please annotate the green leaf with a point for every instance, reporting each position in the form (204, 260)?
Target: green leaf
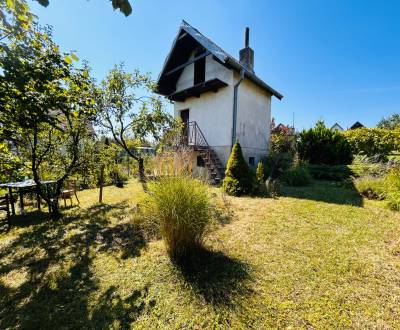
(74, 57)
(67, 59)
(10, 4)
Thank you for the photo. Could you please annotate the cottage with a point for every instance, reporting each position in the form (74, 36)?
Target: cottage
(337, 128)
(356, 125)
(219, 98)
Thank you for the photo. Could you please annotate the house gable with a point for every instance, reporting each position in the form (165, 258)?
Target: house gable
(189, 47)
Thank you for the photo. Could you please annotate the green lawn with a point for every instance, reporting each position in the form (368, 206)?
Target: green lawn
(318, 257)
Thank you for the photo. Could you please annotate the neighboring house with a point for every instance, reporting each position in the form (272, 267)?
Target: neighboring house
(356, 125)
(337, 128)
(282, 129)
(219, 98)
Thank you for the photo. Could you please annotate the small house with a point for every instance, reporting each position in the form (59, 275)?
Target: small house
(220, 99)
(337, 128)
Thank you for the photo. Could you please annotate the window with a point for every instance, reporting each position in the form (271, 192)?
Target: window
(200, 161)
(251, 161)
(199, 69)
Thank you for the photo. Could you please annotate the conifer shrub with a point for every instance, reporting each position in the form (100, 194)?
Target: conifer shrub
(181, 207)
(320, 145)
(260, 181)
(238, 177)
(260, 173)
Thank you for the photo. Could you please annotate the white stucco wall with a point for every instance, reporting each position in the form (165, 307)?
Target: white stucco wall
(213, 112)
(253, 119)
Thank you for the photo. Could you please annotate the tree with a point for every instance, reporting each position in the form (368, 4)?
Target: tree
(123, 5)
(320, 145)
(16, 17)
(116, 100)
(376, 143)
(238, 177)
(47, 106)
(392, 122)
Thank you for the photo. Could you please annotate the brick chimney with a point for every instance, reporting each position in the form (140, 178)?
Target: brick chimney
(246, 54)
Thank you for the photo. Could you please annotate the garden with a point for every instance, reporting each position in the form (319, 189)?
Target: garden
(103, 226)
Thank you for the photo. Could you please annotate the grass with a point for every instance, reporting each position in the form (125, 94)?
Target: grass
(317, 258)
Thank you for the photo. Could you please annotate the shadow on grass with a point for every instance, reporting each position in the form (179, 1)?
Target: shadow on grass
(333, 192)
(218, 278)
(47, 279)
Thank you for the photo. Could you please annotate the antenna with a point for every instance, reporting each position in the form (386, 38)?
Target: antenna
(293, 121)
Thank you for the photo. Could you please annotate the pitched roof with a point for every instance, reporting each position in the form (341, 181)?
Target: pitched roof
(217, 52)
(337, 125)
(356, 125)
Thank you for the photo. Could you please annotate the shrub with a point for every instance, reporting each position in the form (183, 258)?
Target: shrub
(392, 188)
(378, 143)
(320, 145)
(181, 206)
(330, 173)
(370, 187)
(260, 173)
(297, 176)
(238, 177)
(118, 175)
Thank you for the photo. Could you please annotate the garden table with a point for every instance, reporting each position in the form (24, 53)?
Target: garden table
(21, 186)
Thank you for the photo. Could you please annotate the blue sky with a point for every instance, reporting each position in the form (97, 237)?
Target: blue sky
(335, 60)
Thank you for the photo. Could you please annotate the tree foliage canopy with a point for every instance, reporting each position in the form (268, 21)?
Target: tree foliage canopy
(130, 111)
(47, 106)
(391, 122)
(378, 143)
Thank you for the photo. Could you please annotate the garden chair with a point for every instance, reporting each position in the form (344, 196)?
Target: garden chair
(69, 191)
(5, 206)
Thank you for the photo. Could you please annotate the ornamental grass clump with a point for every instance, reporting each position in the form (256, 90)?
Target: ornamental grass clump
(392, 188)
(181, 206)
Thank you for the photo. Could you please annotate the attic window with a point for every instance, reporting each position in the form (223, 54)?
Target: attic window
(200, 69)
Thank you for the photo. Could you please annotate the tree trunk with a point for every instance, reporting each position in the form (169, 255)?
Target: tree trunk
(142, 176)
(54, 197)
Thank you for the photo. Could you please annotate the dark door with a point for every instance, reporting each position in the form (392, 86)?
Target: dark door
(185, 120)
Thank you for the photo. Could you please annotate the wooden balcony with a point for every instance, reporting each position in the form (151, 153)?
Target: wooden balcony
(198, 89)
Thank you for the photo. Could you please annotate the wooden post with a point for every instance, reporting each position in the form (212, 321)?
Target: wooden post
(101, 184)
(11, 200)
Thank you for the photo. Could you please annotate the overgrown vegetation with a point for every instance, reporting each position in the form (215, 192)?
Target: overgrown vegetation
(297, 176)
(377, 143)
(392, 188)
(320, 145)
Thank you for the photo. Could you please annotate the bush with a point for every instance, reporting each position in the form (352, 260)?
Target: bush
(238, 177)
(392, 188)
(181, 206)
(297, 176)
(320, 145)
(370, 187)
(330, 173)
(118, 175)
(260, 173)
(378, 143)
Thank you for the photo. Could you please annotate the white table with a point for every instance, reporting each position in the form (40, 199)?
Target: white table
(20, 186)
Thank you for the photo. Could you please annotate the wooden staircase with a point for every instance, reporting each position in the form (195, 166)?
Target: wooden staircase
(194, 138)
